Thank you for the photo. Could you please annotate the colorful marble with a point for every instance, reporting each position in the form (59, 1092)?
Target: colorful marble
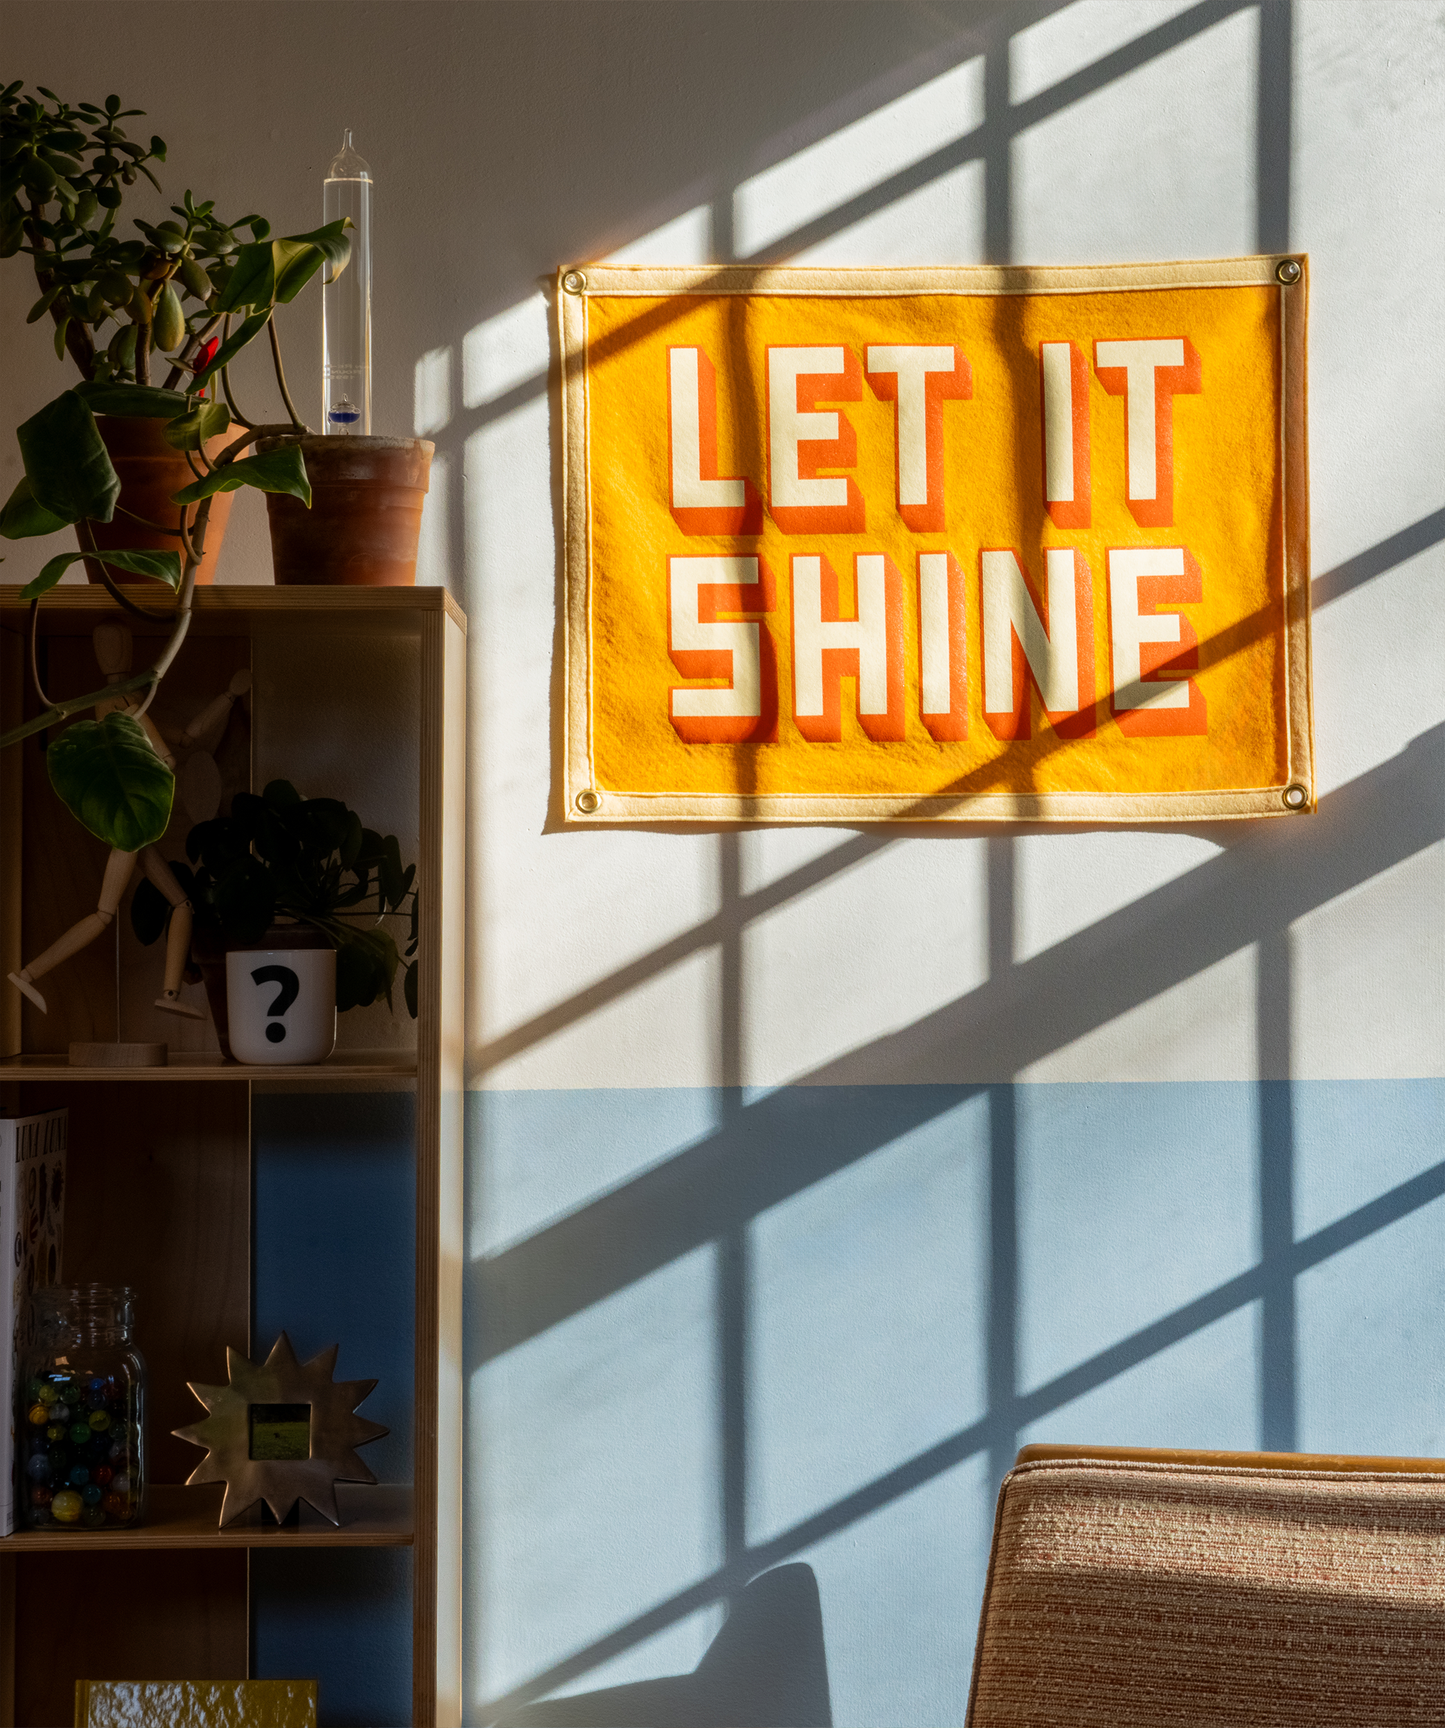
(65, 1508)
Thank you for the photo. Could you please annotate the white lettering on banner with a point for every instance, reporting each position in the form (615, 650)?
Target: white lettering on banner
(911, 366)
(935, 649)
(738, 641)
(813, 635)
(1128, 629)
(1058, 422)
(691, 489)
(1033, 634)
(788, 426)
(1009, 613)
(1139, 361)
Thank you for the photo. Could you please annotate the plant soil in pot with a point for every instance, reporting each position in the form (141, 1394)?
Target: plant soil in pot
(365, 516)
(151, 473)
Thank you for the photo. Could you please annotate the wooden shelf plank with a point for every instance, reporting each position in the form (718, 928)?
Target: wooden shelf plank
(190, 1066)
(179, 1517)
(239, 599)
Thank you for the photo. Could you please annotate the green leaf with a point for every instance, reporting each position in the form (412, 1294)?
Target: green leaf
(231, 347)
(111, 780)
(408, 989)
(42, 305)
(299, 256)
(70, 471)
(295, 265)
(366, 963)
(356, 977)
(164, 565)
(252, 282)
(22, 518)
(133, 401)
(281, 470)
(191, 431)
(389, 873)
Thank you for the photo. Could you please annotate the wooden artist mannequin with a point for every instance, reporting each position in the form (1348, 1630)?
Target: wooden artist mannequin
(113, 647)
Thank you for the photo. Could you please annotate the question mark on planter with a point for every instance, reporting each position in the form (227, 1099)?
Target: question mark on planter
(290, 989)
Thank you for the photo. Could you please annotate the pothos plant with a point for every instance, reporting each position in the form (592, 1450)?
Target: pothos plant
(62, 171)
(280, 855)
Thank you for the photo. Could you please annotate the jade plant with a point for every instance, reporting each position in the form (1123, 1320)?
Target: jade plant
(309, 860)
(189, 289)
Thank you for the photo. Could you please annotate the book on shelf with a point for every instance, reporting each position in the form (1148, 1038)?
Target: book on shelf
(32, 1231)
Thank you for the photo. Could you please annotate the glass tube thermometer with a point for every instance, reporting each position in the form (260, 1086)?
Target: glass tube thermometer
(346, 301)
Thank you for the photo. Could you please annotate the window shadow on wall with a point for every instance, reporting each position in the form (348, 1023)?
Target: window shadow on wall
(766, 1150)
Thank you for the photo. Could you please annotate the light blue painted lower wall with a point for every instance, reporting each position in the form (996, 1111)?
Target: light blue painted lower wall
(334, 1221)
(708, 1331)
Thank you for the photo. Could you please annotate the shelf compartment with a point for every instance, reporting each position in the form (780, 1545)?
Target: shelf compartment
(180, 1517)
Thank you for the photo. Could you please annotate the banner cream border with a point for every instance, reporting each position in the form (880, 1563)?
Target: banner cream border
(604, 808)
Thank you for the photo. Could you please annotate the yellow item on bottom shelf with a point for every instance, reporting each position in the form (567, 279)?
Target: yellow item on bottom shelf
(195, 1704)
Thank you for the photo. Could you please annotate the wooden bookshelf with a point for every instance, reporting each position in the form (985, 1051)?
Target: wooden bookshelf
(359, 694)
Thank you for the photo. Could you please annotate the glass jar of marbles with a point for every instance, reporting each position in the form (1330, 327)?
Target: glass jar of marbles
(80, 1421)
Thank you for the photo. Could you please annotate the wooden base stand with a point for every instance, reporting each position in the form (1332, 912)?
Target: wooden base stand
(119, 1055)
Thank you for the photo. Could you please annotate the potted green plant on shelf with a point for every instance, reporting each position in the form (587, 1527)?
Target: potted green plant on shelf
(283, 872)
(170, 291)
(61, 173)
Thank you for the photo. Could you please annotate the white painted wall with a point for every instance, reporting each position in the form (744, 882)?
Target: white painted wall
(507, 139)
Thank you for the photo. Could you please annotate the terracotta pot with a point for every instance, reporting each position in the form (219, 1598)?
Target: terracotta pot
(209, 949)
(365, 515)
(151, 473)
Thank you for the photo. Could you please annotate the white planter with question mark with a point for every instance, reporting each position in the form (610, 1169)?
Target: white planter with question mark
(281, 1003)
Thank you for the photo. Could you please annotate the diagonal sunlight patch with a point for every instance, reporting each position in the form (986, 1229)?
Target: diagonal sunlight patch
(592, 1486)
(1076, 37)
(851, 1366)
(1121, 1176)
(685, 239)
(505, 352)
(816, 179)
(432, 392)
(1201, 1392)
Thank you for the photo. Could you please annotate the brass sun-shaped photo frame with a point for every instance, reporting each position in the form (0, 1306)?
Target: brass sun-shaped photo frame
(281, 1431)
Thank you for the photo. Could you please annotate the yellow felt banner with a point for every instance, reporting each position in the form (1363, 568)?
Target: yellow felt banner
(921, 545)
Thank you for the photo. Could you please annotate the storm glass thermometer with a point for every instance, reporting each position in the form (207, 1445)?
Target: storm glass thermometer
(346, 301)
